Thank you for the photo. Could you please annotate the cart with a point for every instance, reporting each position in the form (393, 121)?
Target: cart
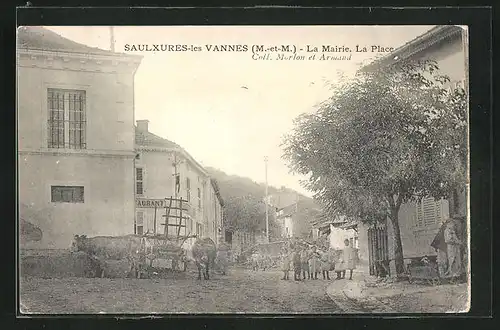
(164, 254)
(423, 269)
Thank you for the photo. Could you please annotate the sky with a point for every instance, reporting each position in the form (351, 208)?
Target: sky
(226, 109)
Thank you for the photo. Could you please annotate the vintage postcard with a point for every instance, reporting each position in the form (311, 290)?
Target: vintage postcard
(243, 169)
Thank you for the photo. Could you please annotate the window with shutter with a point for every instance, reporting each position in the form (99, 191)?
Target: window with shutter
(139, 181)
(139, 223)
(428, 213)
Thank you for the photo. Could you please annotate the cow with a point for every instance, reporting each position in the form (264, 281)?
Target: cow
(113, 248)
(203, 253)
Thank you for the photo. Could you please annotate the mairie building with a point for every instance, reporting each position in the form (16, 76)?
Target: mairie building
(76, 141)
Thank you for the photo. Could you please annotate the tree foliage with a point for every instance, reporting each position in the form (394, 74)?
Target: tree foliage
(386, 137)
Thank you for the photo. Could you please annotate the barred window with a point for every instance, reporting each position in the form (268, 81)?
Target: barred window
(67, 194)
(66, 120)
(139, 181)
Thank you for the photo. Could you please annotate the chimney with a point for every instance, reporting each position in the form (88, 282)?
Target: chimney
(142, 125)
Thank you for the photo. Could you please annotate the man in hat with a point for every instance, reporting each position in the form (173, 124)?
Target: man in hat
(453, 245)
(441, 249)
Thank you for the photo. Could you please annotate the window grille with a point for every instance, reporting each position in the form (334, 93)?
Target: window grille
(67, 194)
(66, 119)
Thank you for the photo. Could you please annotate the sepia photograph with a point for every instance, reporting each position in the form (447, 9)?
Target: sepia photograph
(243, 169)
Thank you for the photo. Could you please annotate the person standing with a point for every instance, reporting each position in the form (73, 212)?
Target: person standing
(222, 260)
(440, 247)
(339, 264)
(255, 261)
(304, 259)
(297, 265)
(285, 258)
(453, 245)
(349, 258)
(313, 264)
(325, 264)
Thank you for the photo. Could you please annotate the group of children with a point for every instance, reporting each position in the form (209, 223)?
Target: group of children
(311, 261)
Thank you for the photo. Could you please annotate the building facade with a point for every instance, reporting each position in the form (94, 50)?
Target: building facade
(75, 108)
(296, 219)
(420, 222)
(163, 170)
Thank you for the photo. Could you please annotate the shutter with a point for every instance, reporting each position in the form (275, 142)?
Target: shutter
(428, 212)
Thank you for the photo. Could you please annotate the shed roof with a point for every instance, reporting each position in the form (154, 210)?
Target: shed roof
(150, 139)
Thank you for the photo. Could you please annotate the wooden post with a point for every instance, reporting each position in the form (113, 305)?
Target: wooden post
(167, 216)
(180, 219)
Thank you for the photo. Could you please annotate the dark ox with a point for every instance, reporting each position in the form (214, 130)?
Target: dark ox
(113, 248)
(203, 253)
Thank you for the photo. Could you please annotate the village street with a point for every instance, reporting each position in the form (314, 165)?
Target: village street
(242, 291)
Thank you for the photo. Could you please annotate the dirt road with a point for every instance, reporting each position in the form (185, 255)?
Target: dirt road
(242, 291)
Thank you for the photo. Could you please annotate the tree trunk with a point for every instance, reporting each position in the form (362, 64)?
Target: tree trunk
(398, 246)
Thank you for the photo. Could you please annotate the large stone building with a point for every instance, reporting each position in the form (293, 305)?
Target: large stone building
(163, 169)
(75, 107)
(419, 222)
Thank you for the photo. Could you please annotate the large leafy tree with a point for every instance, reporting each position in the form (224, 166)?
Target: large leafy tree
(387, 136)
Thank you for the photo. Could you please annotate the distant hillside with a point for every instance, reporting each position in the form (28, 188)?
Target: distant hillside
(237, 186)
(244, 202)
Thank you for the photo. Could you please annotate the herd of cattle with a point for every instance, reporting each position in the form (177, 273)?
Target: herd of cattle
(133, 249)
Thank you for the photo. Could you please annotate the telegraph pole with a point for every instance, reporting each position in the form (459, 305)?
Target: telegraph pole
(267, 200)
(111, 38)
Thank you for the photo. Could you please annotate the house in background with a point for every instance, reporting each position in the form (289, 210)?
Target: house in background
(75, 116)
(163, 169)
(419, 222)
(295, 219)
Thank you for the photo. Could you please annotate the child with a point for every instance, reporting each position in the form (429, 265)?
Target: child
(296, 265)
(255, 261)
(349, 259)
(325, 264)
(286, 264)
(339, 265)
(313, 264)
(304, 260)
